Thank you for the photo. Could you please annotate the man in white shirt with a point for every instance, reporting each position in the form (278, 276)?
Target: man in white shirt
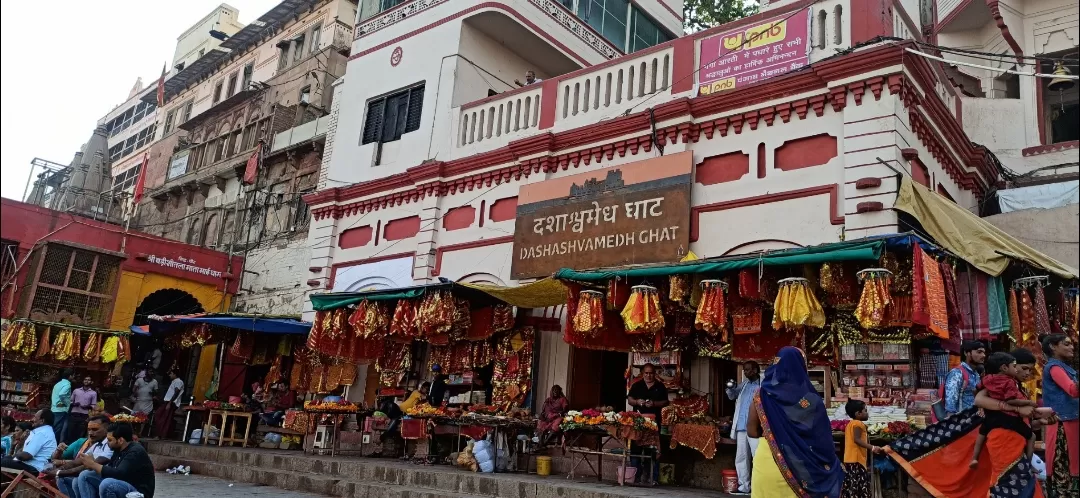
(37, 449)
(163, 417)
(66, 471)
(530, 79)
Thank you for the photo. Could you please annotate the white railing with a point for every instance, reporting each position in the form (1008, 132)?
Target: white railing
(946, 7)
(300, 134)
(612, 89)
(499, 120)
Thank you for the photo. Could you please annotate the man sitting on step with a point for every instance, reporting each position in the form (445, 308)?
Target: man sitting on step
(130, 469)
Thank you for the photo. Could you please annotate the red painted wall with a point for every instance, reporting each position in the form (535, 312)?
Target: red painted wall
(805, 152)
(503, 209)
(723, 168)
(27, 225)
(355, 237)
(458, 218)
(401, 228)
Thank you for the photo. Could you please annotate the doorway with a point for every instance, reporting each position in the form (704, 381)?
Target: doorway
(597, 378)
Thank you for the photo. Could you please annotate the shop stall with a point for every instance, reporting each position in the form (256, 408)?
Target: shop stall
(468, 337)
(252, 374)
(35, 351)
(880, 319)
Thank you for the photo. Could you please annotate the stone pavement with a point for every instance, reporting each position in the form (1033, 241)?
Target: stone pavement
(195, 486)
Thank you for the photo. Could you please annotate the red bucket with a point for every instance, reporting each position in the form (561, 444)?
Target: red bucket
(730, 479)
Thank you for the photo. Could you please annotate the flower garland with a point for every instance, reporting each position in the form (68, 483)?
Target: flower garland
(593, 418)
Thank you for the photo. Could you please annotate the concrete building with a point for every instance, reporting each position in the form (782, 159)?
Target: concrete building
(265, 89)
(1030, 126)
(431, 148)
(132, 125)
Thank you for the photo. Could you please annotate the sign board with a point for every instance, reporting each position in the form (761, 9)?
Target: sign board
(737, 58)
(631, 214)
(178, 164)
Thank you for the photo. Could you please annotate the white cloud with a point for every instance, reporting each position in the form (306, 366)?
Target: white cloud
(67, 63)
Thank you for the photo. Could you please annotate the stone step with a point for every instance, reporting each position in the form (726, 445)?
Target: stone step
(323, 474)
(299, 481)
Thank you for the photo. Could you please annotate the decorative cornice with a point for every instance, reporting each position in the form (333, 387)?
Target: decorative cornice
(1050, 148)
(599, 142)
(393, 16)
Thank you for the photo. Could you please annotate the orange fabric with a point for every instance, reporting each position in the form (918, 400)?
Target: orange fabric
(943, 473)
(854, 453)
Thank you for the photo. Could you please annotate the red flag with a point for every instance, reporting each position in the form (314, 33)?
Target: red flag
(141, 182)
(252, 168)
(161, 88)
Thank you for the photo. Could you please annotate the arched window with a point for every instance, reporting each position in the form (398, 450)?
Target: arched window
(819, 37)
(838, 28)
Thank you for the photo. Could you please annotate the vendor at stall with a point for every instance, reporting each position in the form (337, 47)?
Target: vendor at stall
(648, 396)
(415, 396)
(437, 393)
(551, 416)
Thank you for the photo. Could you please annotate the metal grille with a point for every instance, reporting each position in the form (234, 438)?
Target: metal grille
(9, 253)
(75, 286)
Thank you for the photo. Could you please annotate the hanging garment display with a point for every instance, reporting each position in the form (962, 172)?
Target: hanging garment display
(481, 323)
(796, 306)
(403, 324)
(243, 346)
(503, 319)
(45, 343)
(1042, 313)
(461, 319)
(67, 345)
(642, 312)
(371, 319)
(712, 311)
(952, 300)
(875, 298)
(435, 315)
(928, 290)
(315, 335)
(902, 267)
(997, 306)
(1014, 315)
(972, 288)
(679, 288)
(748, 284)
(838, 281)
(618, 293)
(92, 348)
(589, 318)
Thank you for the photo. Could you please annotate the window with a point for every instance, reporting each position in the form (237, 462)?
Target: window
(232, 84)
(185, 115)
(249, 70)
(391, 116)
(77, 283)
(607, 17)
(300, 214)
(315, 32)
(283, 54)
(126, 180)
(644, 33)
(169, 118)
(133, 143)
(298, 48)
(305, 95)
(129, 117)
(217, 92)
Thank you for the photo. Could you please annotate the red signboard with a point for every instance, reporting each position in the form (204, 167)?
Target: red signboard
(745, 56)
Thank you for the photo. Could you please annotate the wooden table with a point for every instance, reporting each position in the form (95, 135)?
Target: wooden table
(579, 456)
(225, 415)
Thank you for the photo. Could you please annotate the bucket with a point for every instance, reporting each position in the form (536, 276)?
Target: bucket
(543, 465)
(730, 479)
(627, 474)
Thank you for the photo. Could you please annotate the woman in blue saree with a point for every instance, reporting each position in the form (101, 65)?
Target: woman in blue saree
(789, 414)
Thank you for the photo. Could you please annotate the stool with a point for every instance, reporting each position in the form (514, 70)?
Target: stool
(324, 437)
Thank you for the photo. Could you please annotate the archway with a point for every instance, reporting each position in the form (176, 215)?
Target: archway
(166, 302)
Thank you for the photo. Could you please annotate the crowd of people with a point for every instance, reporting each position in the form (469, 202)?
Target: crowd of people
(107, 462)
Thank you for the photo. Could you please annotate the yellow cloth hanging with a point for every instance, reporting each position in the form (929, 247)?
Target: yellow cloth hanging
(110, 350)
(797, 306)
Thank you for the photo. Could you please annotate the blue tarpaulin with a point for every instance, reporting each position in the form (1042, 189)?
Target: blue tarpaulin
(249, 323)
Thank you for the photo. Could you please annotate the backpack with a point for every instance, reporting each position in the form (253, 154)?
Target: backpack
(937, 410)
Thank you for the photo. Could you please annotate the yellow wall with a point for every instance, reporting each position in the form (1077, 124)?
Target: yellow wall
(134, 287)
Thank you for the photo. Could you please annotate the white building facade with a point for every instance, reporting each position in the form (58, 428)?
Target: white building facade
(810, 156)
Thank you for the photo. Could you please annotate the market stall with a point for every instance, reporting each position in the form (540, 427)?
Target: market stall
(36, 350)
(881, 319)
(467, 335)
(250, 374)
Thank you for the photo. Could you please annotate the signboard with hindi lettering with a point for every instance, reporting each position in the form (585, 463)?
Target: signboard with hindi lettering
(744, 56)
(623, 215)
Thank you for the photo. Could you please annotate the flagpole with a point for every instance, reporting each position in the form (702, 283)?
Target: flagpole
(127, 225)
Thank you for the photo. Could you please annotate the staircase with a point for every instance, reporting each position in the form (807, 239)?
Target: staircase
(381, 478)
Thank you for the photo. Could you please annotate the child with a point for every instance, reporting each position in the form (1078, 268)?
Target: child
(856, 444)
(1002, 384)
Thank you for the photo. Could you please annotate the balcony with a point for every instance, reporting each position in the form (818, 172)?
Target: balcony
(298, 135)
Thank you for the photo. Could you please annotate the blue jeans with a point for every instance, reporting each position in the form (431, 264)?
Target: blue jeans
(66, 485)
(91, 485)
(59, 425)
(114, 488)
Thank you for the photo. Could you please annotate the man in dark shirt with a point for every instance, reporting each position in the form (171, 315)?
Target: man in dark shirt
(648, 396)
(438, 387)
(130, 469)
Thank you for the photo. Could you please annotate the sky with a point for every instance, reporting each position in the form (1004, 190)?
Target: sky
(66, 64)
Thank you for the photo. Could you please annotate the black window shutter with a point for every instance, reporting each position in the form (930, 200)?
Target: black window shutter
(373, 122)
(416, 108)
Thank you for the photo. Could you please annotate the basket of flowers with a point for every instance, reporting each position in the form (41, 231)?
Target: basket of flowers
(331, 406)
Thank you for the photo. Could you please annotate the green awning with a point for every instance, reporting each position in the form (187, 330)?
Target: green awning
(334, 300)
(859, 250)
(539, 294)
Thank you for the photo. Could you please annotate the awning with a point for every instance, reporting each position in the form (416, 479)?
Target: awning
(973, 239)
(539, 294)
(859, 250)
(249, 323)
(140, 330)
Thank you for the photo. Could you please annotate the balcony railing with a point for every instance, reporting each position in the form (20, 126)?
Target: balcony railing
(299, 134)
(613, 89)
(495, 121)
